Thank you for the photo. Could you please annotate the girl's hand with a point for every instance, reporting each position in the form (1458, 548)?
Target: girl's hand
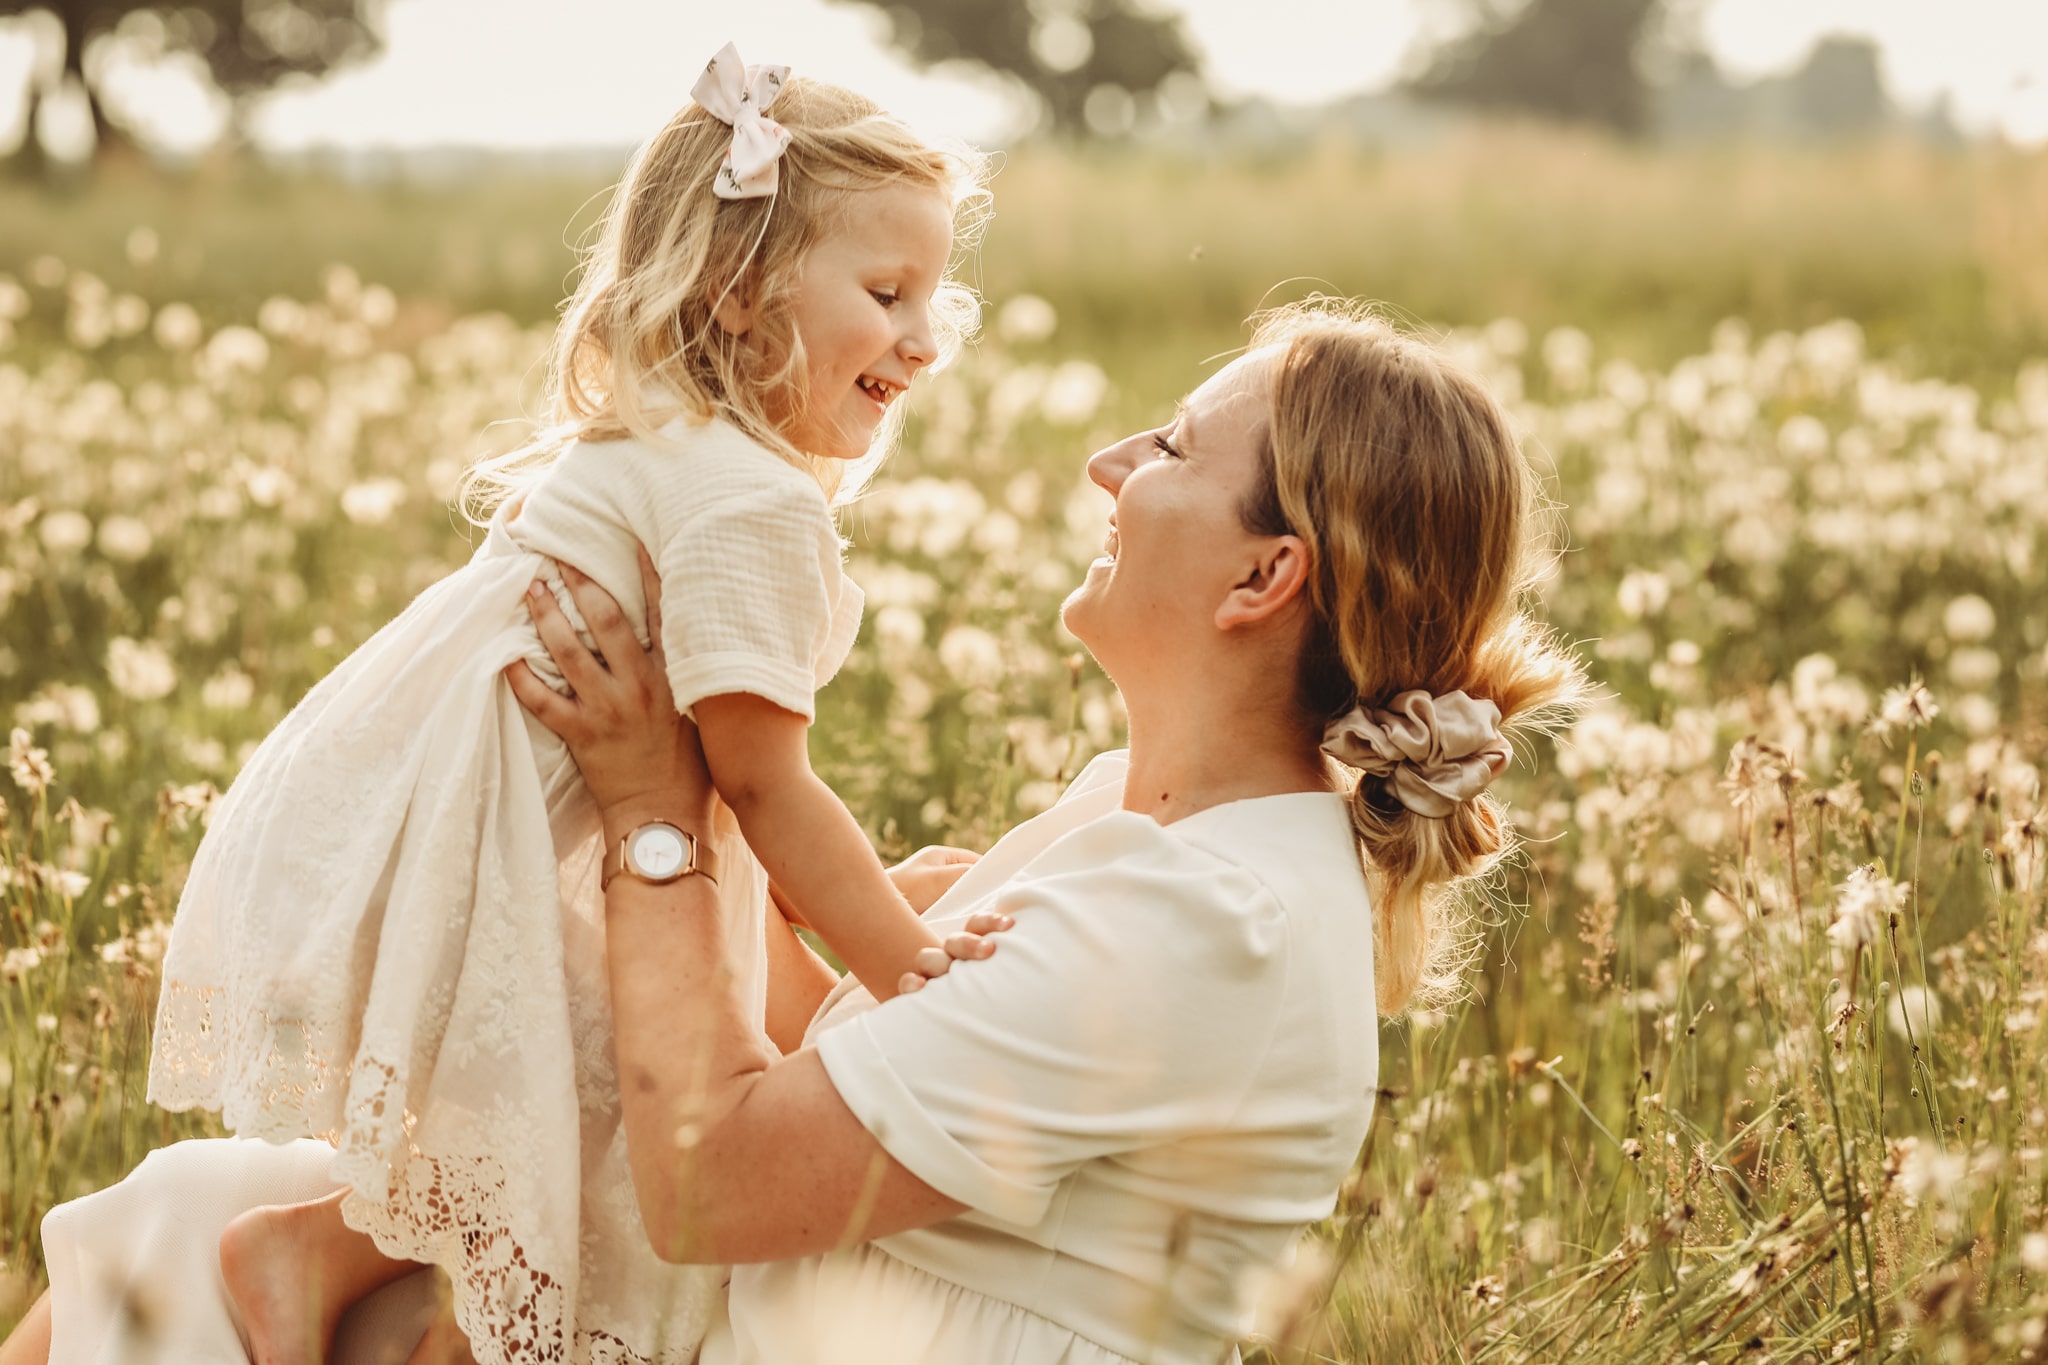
(621, 725)
(930, 872)
(971, 944)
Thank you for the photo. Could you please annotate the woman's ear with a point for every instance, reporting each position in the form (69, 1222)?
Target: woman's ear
(735, 311)
(1275, 582)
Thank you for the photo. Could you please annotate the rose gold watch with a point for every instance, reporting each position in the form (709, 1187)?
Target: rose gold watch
(659, 853)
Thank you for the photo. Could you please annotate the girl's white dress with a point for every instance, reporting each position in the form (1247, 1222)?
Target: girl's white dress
(392, 937)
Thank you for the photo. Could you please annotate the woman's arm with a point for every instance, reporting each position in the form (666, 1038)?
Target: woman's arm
(738, 1154)
(798, 982)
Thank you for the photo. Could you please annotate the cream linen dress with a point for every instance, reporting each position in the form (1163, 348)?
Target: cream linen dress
(1162, 1075)
(392, 937)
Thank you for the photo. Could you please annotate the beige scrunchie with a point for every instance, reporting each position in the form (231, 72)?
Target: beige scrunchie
(1435, 753)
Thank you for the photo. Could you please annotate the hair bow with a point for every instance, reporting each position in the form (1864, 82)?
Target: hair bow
(740, 95)
(1435, 753)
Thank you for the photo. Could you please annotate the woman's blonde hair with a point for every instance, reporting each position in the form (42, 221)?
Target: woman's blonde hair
(1401, 474)
(639, 343)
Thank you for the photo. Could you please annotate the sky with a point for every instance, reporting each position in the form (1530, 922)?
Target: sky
(568, 73)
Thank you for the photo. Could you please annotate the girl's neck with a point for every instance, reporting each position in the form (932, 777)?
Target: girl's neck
(1200, 752)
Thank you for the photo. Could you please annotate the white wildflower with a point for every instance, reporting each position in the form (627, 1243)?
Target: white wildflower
(1026, 318)
(124, 539)
(1974, 668)
(1915, 1006)
(1928, 1172)
(1968, 617)
(228, 690)
(1073, 393)
(1863, 904)
(63, 705)
(237, 348)
(29, 766)
(178, 327)
(1568, 355)
(898, 629)
(140, 670)
(65, 532)
(372, 502)
(1642, 594)
(972, 655)
(1909, 707)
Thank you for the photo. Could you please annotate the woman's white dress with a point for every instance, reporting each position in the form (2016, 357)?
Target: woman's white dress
(1161, 1076)
(392, 936)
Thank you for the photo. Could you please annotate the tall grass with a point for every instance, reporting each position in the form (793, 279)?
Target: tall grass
(1753, 1067)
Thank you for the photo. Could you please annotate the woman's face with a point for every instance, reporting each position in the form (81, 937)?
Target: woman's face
(1177, 544)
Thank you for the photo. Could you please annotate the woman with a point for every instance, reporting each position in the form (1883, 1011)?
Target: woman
(1088, 1146)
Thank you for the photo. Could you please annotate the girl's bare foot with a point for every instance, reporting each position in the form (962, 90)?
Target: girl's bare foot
(292, 1270)
(271, 1259)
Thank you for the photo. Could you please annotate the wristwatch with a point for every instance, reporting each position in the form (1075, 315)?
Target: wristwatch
(659, 853)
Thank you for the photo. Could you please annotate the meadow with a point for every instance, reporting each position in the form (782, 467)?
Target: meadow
(1751, 1064)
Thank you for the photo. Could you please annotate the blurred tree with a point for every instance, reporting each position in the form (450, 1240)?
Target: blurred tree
(1094, 64)
(248, 46)
(1840, 92)
(1574, 60)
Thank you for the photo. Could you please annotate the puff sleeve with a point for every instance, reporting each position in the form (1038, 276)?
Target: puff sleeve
(755, 598)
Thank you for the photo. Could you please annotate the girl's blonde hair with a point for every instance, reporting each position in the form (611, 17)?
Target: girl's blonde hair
(1401, 474)
(639, 343)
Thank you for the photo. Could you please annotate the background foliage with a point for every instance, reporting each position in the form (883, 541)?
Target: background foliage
(1752, 1069)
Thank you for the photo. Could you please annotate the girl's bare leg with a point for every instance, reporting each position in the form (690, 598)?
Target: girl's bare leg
(29, 1342)
(292, 1271)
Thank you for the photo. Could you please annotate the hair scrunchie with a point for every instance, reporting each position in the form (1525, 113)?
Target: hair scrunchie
(735, 93)
(1433, 753)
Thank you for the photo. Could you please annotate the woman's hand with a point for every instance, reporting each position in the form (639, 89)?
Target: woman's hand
(930, 872)
(971, 944)
(621, 724)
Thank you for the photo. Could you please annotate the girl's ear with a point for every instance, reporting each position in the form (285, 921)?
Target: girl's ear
(735, 312)
(1273, 583)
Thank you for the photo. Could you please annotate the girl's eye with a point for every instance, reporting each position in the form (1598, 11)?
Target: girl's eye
(1164, 446)
(883, 297)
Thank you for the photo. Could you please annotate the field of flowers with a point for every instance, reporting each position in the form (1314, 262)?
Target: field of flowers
(1753, 1066)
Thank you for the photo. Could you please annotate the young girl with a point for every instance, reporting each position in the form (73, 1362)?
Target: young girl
(392, 937)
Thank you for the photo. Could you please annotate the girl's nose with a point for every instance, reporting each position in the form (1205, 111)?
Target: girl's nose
(917, 345)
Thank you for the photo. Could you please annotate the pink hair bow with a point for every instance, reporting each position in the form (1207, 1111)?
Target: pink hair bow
(1435, 753)
(738, 94)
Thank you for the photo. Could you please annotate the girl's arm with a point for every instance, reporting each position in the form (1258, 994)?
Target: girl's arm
(738, 1153)
(812, 847)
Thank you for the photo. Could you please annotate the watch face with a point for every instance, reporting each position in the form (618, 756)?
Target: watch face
(658, 851)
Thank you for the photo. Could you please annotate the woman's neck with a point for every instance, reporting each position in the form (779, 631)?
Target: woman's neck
(1189, 756)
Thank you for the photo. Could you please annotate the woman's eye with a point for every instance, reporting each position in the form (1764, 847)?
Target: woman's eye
(1164, 446)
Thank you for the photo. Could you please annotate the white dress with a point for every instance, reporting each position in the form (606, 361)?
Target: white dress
(392, 937)
(1161, 1076)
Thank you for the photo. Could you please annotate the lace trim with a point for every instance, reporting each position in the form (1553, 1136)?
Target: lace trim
(452, 1212)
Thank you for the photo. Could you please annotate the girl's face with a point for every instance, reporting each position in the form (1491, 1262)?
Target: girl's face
(863, 313)
(1177, 543)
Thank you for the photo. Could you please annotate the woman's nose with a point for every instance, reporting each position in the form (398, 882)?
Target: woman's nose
(1110, 466)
